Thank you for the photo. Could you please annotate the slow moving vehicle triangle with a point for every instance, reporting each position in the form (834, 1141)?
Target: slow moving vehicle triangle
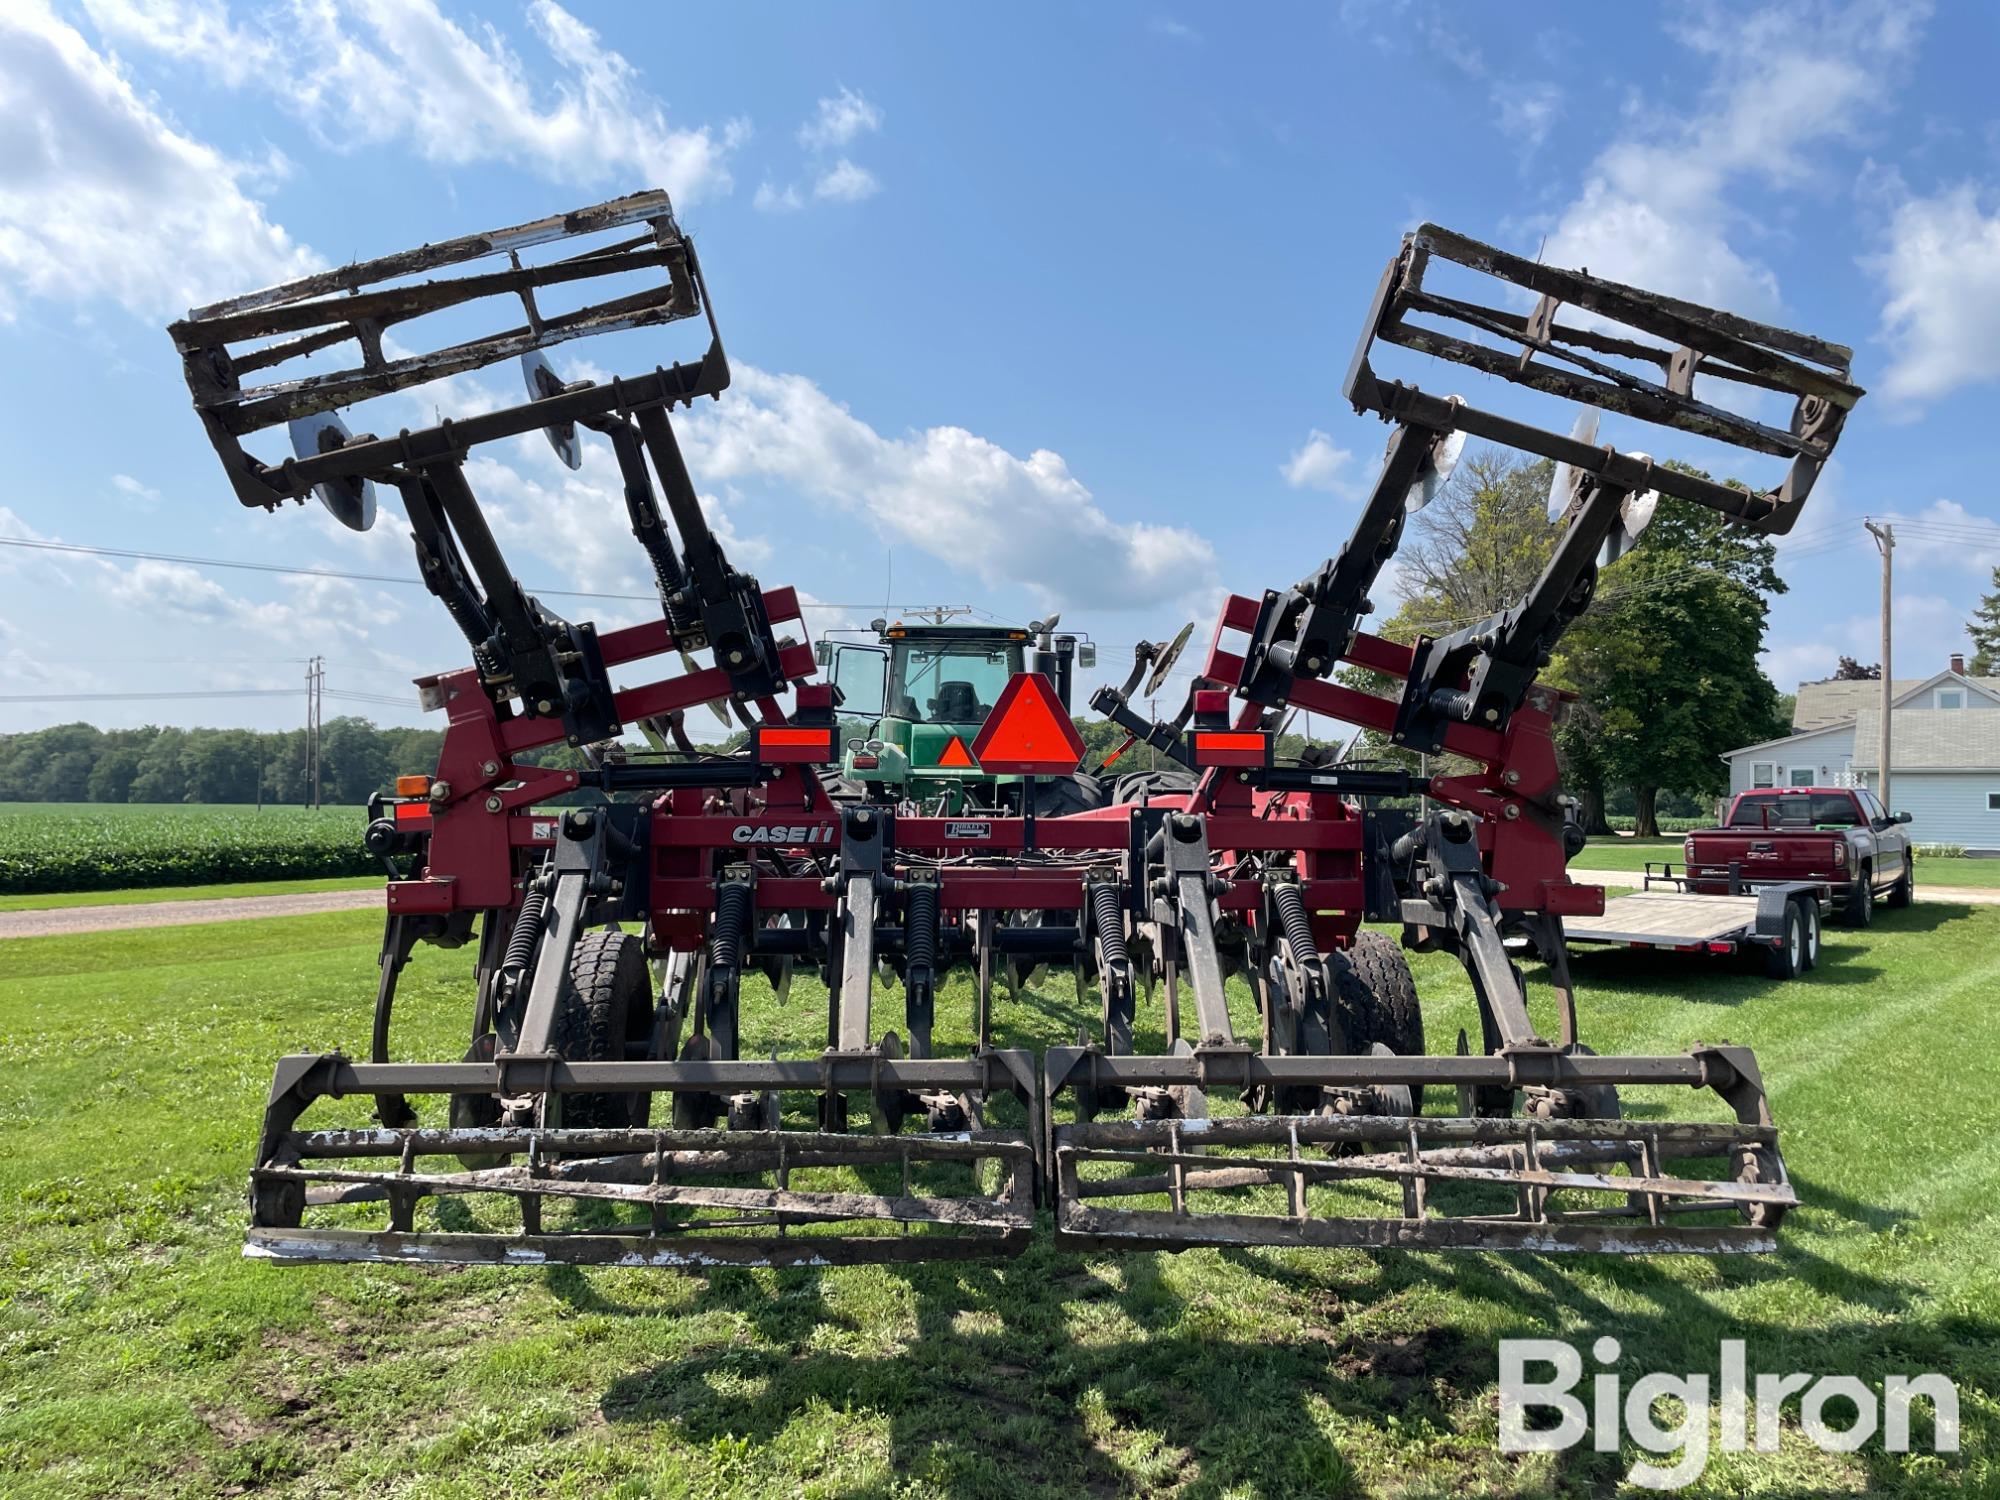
(955, 754)
(1028, 734)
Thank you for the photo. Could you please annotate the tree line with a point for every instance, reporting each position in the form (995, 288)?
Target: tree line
(81, 763)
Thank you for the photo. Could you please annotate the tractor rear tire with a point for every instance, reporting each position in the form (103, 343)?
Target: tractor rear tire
(606, 1006)
(1059, 796)
(1377, 1000)
(1145, 786)
(1860, 908)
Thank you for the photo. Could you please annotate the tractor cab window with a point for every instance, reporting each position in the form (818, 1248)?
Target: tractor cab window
(949, 682)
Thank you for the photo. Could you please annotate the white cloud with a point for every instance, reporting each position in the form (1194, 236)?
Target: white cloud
(775, 200)
(1656, 208)
(1318, 465)
(1173, 30)
(134, 489)
(1944, 534)
(1528, 111)
(844, 182)
(1928, 628)
(839, 121)
(1941, 274)
(101, 196)
(376, 72)
(955, 495)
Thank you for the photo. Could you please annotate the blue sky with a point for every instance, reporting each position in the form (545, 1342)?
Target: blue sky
(1050, 303)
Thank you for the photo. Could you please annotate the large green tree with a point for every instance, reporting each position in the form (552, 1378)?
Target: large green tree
(1665, 660)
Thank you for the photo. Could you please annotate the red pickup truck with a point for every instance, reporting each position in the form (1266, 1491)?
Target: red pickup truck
(1840, 836)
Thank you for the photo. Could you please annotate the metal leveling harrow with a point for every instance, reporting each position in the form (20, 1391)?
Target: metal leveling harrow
(606, 1062)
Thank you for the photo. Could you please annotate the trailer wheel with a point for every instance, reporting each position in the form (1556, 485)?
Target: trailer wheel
(1378, 1001)
(1860, 909)
(1809, 913)
(1904, 891)
(606, 1006)
(1787, 958)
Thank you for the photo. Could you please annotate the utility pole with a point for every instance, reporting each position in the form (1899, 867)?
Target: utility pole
(315, 685)
(1885, 542)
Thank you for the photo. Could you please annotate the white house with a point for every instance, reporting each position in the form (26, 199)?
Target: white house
(1943, 740)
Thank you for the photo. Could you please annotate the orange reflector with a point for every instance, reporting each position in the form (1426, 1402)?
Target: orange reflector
(784, 744)
(955, 754)
(1028, 733)
(413, 786)
(1230, 747)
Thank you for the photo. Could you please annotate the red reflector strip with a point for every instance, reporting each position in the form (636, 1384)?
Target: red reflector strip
(412, 812)
(782, 745)
(866, 762)
(1230, 747)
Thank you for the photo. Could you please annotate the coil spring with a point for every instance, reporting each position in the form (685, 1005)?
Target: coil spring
(1298, 930)
(1109, 919)
(732, 921)
(921, 927)
(527, 933)
(682, 619)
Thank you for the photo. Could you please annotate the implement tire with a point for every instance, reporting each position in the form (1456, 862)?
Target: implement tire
(1376, 997)
(606, 1007)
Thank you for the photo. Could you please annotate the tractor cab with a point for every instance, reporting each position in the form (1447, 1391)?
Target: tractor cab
(922, 692)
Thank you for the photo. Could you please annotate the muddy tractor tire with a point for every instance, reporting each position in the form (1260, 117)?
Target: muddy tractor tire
(1060, 796)
(1376, 999)
(1147, 786)
(606, 1008)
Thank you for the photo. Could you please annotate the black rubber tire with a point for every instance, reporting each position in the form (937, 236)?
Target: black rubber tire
(1787, 959)
(1809, 911)
(1860, 908)
(1904, 891)
(1376, 997)
(1144, 786)
(1059, 796)
(606, 1006)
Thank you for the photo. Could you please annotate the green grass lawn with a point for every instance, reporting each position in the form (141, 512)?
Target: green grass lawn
(140, 1355)
(1608, 853)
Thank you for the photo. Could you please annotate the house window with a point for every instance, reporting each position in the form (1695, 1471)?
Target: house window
(1762, 773)
(1993, 801)
(1951, 697)
(1802, 775)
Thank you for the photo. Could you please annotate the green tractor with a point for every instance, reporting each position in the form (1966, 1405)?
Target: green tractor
(927, 689)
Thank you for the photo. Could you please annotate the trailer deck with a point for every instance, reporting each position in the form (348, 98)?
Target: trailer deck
(1782, 918)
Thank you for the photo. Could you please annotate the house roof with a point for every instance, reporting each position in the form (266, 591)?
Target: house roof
(1820, 705)
(1788, 740)
(1929, 739)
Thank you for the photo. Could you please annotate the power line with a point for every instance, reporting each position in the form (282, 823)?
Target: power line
(143, 697)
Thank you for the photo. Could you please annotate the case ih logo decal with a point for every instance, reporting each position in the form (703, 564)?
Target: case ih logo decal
(968, 830)
(797, 833)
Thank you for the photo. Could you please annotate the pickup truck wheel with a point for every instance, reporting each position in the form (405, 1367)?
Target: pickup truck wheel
(1787, 960)
(1809, 913)
(1904, 891)
(1860, 909)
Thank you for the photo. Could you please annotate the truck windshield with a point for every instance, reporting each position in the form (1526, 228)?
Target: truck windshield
(1771, 809)
(939, 682)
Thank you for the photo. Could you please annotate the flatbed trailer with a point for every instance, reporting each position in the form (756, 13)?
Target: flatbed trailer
(1782, 917)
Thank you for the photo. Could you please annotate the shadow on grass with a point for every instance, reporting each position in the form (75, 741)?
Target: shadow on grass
(1062, 1374)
